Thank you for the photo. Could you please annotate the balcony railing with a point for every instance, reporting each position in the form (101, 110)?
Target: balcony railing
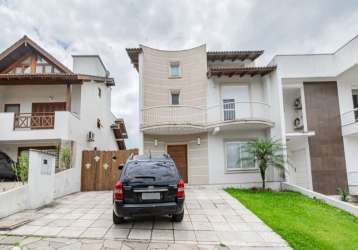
(349, 117)
(238, 111)
(173, 114)
(39, 120)
(191, 115)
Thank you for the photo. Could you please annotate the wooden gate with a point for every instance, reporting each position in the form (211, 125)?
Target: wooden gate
(100, 168)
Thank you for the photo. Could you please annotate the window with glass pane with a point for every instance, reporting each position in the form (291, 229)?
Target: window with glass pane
(174, 69)
(175, 98)
(236, 156)
(229, 109)
(40, 60)
(27, 69)
(39, 69)
(355, 102)
(13, 108)
(18, 70)
(48, 69)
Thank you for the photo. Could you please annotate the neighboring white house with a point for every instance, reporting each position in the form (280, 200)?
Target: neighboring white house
(202, 107)
(45, 105)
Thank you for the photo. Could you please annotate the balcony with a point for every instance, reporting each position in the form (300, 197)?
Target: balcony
(169, 119)
(181, 119)
(38, 126)
(39, 120)
(246, 114)
(349, 121)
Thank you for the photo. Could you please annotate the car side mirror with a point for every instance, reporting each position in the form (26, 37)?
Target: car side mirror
(120, 167)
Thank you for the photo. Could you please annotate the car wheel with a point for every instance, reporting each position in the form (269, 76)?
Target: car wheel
(178, 217)
(116, 219)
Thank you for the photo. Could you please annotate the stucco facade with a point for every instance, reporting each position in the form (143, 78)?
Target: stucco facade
(225, 99)
(198, 120)
(81, 102)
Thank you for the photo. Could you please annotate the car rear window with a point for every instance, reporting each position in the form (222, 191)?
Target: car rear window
(157, 171)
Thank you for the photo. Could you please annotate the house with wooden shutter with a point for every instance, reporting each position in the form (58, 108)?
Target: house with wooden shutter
(45, 105)
(202, 107)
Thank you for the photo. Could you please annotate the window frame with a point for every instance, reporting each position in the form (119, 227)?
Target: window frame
(6, 105)
(179, 69)
(355, 93)
(99, 92)
(241, 169)
(175, 92)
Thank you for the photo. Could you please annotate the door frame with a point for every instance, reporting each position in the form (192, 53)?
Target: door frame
(187, 154)
(47, 103)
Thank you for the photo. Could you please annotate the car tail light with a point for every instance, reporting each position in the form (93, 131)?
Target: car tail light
(180, 191)
(118, 191)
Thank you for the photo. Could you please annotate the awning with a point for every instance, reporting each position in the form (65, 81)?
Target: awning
(234, 55)
(251, 71)
(38, 79)
(120, 133)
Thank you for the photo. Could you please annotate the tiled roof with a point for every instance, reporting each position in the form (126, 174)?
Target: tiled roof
(133, 54)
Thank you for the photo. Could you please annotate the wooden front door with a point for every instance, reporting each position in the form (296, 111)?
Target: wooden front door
(179, 154)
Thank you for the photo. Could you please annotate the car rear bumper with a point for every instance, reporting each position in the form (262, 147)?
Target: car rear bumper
(150, 209)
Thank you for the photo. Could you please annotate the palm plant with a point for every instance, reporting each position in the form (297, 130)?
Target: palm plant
(265, 152)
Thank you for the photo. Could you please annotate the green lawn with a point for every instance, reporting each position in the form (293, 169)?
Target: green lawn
(303, 222)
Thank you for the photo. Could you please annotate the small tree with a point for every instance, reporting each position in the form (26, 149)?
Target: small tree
(23, 167)
(265, 152)
(66, 157)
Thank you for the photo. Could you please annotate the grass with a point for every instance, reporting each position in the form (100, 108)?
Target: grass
(303, 222)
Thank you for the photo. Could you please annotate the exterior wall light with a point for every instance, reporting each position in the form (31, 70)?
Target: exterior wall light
(155, 142)
(198, 141)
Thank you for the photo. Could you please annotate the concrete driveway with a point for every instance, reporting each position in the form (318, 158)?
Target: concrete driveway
(211, 217)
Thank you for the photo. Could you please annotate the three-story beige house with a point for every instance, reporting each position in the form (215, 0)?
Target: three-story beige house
(202, 107)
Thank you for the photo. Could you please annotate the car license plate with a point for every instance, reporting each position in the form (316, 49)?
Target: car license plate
(150, 196)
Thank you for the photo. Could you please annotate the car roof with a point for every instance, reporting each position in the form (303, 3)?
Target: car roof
(150, 157)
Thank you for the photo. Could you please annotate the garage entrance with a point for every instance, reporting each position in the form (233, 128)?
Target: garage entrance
(179, 154)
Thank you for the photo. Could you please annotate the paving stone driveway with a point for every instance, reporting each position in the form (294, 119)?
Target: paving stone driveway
(211, 217)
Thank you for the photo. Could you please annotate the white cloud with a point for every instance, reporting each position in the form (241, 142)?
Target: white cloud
(107, 27)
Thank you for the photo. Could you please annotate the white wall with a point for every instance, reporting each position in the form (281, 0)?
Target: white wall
(93, 107)
(289, 97)
(26, 95)
(217, 159)
(69, 181)
(43, 185)
(257, 95)
(41, 178)
(351, 155)
(14, 200)
(66, 127)
(352, 209)
(299, 167)
(88, 65)
(198, 172)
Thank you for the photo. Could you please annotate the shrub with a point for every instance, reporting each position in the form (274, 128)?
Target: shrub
(23, 167)
(344, 193)
(66, 158)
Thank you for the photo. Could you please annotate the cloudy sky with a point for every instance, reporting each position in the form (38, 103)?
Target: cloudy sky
(107, 27)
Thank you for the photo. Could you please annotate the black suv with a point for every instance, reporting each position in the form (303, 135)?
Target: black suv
(6, 172)
(148, 186)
